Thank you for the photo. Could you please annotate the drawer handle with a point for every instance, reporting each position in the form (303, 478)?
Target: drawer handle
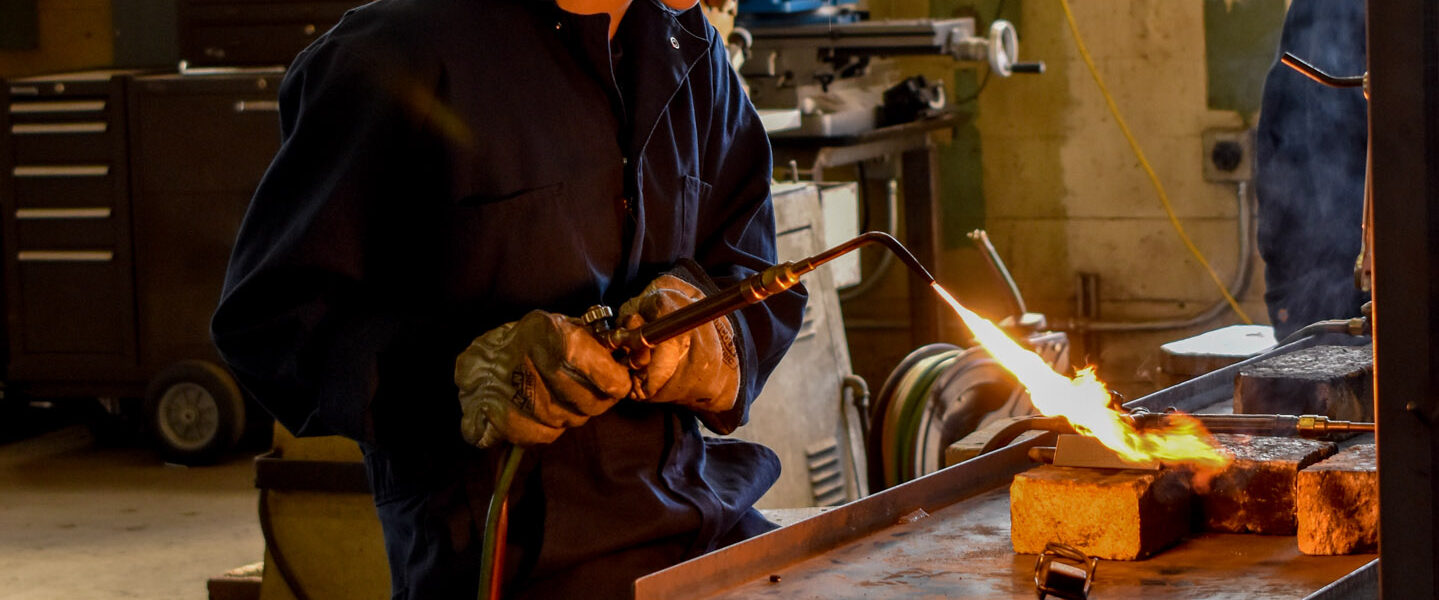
(65, 256)
(62, 213)
(62, 171)
(57, 106)
(244, 106)
(49, 128)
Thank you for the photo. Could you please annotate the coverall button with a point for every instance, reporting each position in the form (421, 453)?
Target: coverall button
(675, 42)
(625, 160)
(557, 25)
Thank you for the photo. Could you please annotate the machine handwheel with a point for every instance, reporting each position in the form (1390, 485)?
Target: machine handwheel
(195, 412)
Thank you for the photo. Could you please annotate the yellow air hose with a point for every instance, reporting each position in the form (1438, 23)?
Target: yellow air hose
(1144, 162)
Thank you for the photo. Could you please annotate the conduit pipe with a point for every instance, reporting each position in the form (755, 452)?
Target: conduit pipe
(1237, 286)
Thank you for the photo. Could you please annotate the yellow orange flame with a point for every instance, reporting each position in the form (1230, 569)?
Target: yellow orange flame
(1084, 401)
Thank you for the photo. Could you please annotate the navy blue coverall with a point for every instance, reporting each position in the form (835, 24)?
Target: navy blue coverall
(1309, 169)
(446, 167)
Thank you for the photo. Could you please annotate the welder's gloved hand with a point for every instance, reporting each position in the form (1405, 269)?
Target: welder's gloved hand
(526, 382)
(698, 369)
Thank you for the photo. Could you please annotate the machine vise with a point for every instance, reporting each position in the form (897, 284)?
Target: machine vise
(838, 76)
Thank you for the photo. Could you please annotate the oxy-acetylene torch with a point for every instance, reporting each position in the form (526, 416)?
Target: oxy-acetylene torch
(753, 290)
(627, 343)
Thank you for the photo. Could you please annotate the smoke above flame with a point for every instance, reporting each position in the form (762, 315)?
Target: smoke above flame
(1084, 401)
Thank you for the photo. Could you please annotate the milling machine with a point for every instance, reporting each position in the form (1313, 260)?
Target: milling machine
(839, 73)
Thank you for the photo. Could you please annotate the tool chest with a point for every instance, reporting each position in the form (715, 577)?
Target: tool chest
(198, 147)
(121, 192)
(120, 196)
(68, 266)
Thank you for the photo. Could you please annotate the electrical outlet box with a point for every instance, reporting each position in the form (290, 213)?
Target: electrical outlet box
(1228, 154)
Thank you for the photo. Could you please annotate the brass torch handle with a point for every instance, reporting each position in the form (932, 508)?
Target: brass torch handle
(752, 290)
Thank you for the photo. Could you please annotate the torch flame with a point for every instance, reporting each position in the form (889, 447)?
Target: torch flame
(1084, 401)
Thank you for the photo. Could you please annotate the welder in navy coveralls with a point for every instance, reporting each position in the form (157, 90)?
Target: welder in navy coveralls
(457, 180)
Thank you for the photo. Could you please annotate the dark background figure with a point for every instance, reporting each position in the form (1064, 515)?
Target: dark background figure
(1309, 177)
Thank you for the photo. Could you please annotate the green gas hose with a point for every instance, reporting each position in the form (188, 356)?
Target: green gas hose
(490, 570)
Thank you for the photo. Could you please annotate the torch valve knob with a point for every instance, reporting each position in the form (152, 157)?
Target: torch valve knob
(599, 318)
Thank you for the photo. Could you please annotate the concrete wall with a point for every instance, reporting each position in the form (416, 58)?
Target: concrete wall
(73, 34)
(1065, 194)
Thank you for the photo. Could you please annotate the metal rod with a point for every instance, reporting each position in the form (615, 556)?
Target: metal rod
(1237, 286)
(868, 239)
(996, 265)
(1275, 425)
(1313, 72)
(1355, 326)
(1272, 425)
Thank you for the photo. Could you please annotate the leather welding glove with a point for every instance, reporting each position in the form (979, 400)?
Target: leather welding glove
(698, 369)
(527, 381)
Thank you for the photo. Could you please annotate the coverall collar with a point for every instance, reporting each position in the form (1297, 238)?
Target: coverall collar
(678, 37)
(670, 42)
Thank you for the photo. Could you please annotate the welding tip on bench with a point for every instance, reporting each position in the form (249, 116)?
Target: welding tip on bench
(1314, 424)
(1042, 454)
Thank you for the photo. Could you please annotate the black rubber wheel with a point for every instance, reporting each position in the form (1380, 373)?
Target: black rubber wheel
(194, 412)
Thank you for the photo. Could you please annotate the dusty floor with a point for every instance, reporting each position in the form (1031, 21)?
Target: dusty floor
(82, 521)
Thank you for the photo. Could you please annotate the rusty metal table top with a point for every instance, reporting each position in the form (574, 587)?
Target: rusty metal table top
(962, 548)
(963, 551)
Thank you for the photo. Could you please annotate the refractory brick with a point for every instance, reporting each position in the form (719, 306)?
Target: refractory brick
(1338, 504)
(1332, 381)
(1111, 514)
(1255, 493)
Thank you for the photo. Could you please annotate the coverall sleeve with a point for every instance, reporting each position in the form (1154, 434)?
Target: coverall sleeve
(740, 238)
(309, 301)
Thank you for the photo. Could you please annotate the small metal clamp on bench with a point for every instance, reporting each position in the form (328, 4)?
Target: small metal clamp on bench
(1062, 579)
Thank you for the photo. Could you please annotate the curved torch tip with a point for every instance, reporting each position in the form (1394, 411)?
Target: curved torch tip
(888, 241)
